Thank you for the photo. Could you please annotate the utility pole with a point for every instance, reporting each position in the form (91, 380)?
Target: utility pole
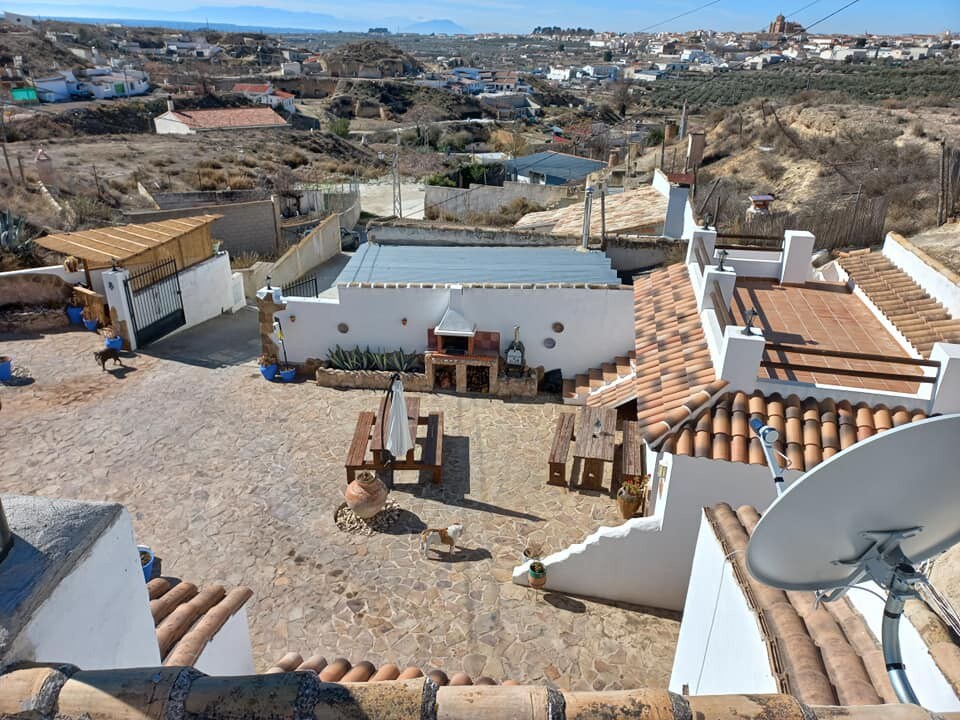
(3, 136)
(941, 194)
(397, 200)
(23, 179)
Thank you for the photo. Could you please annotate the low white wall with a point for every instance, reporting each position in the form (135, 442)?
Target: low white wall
(98, 616)
(943, 289)
(230, 651)
(207, 289)
(598, 323)
(73, 278)
(720, 649)
(647, 560)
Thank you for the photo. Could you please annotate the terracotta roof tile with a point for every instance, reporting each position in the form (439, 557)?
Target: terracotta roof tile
(340, 670)
(827, 652)
(251, 88)
(220, 119)
(921, 319)
(811, 431)
(187, 618)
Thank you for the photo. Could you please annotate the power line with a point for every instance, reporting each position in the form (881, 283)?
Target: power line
(676, 17)
(800, 10)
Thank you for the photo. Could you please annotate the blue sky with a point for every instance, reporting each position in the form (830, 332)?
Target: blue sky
(882, 16)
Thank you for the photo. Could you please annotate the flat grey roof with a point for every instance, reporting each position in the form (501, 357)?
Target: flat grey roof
(374, 263)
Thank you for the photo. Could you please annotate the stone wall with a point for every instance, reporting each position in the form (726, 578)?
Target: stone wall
(370, 380)
(34, 289)
(246, 227)
(461, 203)
(33, 321)
(409, 232)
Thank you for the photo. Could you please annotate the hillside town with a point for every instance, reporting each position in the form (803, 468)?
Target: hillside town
(431, 374)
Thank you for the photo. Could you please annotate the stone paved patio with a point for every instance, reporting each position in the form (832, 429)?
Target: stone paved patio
(235, 480)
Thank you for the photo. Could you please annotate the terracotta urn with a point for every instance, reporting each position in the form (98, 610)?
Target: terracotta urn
(627, 503)
(366, 495)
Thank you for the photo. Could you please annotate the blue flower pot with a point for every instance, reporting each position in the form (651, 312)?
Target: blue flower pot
(75, 313)
(114, 343)
(288, 375)
(5, 372)
(90, 325)
(147, 566)
(269, 371)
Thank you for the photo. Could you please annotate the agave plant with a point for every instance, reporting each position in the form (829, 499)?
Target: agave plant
(12, 235)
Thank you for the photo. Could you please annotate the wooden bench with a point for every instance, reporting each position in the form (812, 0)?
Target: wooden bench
(557, 461)
(357, 454)
(633, 461)
(432, 457)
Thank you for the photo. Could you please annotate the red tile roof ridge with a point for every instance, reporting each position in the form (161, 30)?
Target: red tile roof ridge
(188, 618)
(340, 670)
(811, 430)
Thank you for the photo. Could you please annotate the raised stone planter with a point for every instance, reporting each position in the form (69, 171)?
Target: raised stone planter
(370, 379)
(525, 387)
(28, 321)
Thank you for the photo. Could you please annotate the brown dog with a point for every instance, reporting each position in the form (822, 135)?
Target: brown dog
(101, 356)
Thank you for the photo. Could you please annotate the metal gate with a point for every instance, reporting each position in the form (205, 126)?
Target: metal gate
(153, 294)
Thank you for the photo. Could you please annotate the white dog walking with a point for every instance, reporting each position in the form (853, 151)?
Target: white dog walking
(440, 536)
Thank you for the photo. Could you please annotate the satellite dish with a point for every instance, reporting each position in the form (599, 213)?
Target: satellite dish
(873, 511)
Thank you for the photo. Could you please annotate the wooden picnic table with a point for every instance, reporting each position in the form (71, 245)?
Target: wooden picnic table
(595, 449)
(413, 420)
(367, 434)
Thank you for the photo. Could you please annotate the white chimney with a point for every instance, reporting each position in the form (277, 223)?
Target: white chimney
(169, 105)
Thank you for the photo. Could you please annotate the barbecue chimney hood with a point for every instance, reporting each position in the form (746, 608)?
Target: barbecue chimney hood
(454, 324)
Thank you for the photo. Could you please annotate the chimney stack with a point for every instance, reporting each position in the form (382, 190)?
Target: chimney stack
(169, 104)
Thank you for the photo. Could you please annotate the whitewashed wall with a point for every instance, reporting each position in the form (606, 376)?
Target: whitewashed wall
(647, 560)
(720, 649)
(99, 615)
(71, 277)
(598, 324)
(230, 651)
(166, 125)
(941, 288)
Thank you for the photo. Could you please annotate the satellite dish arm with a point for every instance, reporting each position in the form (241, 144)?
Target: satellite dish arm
(890, 640)
(768, 436)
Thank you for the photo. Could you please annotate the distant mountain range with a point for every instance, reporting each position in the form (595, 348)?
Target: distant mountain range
(237, 18)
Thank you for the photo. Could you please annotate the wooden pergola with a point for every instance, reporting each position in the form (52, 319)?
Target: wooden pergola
(187, 240)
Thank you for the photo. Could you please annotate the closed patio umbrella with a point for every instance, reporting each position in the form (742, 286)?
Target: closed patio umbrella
(398, 441)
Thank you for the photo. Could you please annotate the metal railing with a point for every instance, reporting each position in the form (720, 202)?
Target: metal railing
(845, 355)
(304, 287)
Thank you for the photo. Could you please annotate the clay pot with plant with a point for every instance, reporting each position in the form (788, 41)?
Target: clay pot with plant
(630, 496)
(268, 366)
(366, 495)
(537, 574)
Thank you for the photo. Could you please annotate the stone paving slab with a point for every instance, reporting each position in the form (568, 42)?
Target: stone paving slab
(236, 480)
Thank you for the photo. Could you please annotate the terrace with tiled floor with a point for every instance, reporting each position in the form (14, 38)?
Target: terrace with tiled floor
(825, 317)
(235, 480)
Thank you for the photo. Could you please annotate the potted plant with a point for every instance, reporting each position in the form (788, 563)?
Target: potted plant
(112, 339)
(288, 373)
(75, 310)
(268, 366)
(630, 496)
(90, 321)
(537, 574)
(6, 373)
(146, 561)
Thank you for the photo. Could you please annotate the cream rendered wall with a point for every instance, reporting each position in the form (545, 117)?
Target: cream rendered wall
(98, 616)
(598, 324)
(720, 649)
(647, 560)
(230, 651)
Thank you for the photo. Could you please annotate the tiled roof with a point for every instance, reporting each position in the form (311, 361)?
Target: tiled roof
(822, 654)
(251, 88)
(188, 618)
(671, 359)
(283, 94)
(921, 319)
(229, 118)
(341, 670)
(810, 430)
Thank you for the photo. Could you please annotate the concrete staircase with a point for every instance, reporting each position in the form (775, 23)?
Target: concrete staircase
(576, 389)
(921, 319)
